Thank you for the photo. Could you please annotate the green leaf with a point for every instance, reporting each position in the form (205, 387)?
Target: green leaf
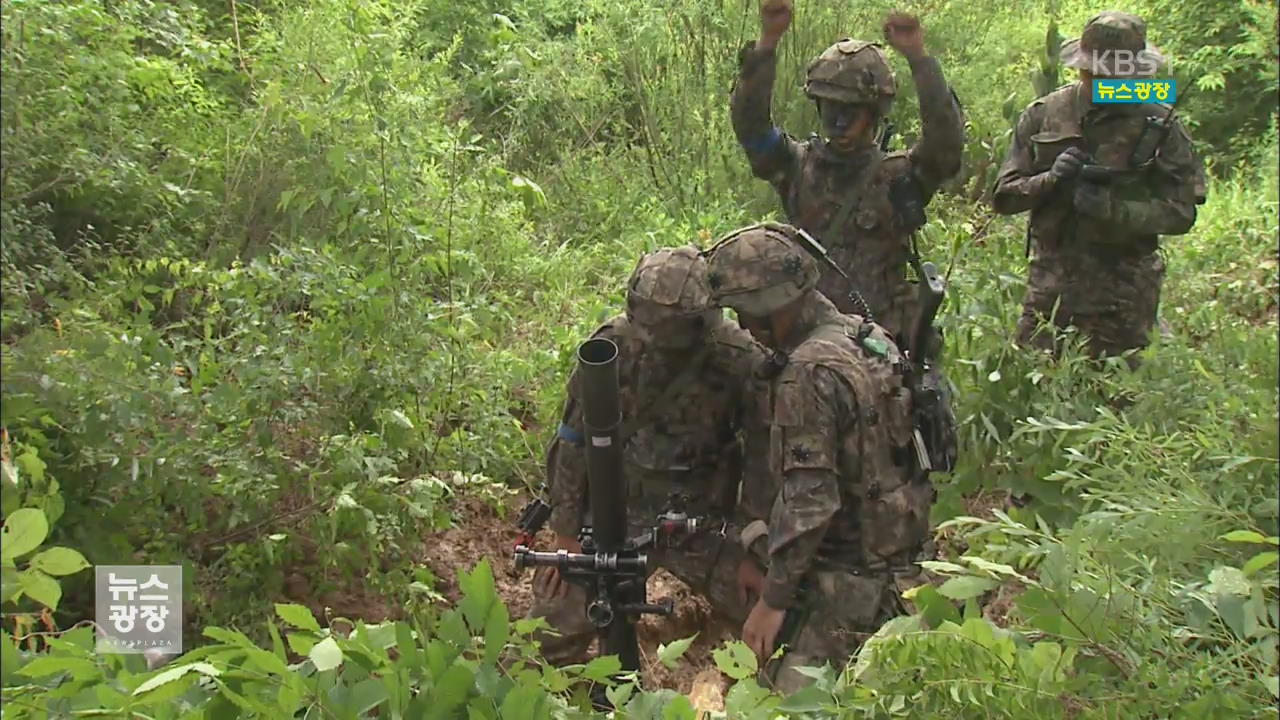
(1259, 561)
(1229, 581)
(46, 665)
(301, 644)
(10, 584)
(935, 608)
(1273, 684)
(367, 695)
(41, 588)
(1234, 611)
(326, 654)
(478, 596)
(670, 655)
(940, 566)
(808, 699)
(451, 690)
(33, 466)
(736, 660)
(168, 676)
(618, 696)
(9, 658)
(298, 616)
(602, 668)
(967, 586)
(497, 630)
(1245, 536)
(679, 709)
(59, 561)
(23, 532)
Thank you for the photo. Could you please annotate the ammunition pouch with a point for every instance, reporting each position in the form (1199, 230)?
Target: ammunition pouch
(893, 522)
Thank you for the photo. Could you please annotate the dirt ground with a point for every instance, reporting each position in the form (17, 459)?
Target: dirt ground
(479, 532)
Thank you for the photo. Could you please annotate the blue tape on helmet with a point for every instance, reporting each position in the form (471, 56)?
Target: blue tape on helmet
(567, 433)
(765, 143)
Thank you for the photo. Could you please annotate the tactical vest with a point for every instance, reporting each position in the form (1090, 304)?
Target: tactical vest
(672, 440)
(877, 476)
(870, 244)
(1108, 135)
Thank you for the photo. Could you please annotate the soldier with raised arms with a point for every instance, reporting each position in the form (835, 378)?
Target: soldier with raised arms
(862, 204)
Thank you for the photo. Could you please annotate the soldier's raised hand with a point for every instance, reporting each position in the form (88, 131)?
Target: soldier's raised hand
(775, 18)
(903, 33)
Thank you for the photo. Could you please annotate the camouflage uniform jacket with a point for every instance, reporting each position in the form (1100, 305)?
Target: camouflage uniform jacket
(840, 442)
(688, 446)
(1161, 201)
(814, 183)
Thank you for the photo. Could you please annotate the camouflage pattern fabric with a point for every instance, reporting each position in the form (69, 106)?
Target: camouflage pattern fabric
(1096, 247)
(850, 514)
(814, 182)
(688, 446)
(1105, 34)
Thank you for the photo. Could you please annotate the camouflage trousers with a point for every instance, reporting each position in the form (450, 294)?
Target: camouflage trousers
(839, 611)
(1111, 301)
(708, 564)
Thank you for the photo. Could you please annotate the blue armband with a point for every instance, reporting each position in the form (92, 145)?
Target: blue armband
(572, 436)
(765, 143)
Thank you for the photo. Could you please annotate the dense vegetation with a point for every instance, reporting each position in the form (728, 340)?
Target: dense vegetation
(282, 282)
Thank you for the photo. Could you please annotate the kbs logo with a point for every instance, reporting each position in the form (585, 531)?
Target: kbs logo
(1123, 63)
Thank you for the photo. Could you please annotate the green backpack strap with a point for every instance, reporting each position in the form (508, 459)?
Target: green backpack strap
(646, 414)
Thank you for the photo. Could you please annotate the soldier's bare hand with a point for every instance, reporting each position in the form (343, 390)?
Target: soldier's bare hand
(760, 632)
(750, 581)
(775, 18)
(551, 585)
(903, 33)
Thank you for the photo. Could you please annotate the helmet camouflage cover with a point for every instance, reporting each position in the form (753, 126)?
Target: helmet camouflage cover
(760, 268)
(667, 297)
(852, 71)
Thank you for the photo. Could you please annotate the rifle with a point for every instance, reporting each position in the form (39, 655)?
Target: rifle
(930, 432)
(611, 567)
(886, 137)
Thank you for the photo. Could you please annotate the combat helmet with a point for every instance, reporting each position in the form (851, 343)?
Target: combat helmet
(668, 300)
(760, 268)
(852, 71)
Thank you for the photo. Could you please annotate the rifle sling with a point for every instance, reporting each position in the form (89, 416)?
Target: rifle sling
(851, 198)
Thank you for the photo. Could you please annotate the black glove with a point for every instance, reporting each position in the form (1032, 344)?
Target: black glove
(1068, 163)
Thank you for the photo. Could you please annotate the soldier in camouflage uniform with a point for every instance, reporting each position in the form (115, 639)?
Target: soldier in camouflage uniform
(1096, 245)
(681, 372)
(862, 204)
(853, 510)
